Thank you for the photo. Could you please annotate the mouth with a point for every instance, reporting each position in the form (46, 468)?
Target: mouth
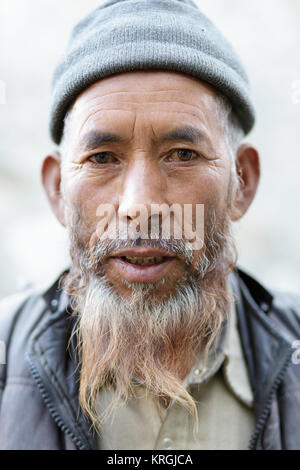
(144, 260)
(142, 265)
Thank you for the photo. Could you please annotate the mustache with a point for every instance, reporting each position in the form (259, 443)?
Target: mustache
(106, 248)
(91, 255)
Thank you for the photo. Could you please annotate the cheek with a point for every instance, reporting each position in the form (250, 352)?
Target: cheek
(85, 196)
(209, 189)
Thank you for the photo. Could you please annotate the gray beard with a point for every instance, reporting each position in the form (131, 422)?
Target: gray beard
(142, 337)
(102, 300)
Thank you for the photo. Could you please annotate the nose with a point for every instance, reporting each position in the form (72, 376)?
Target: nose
(144, 187)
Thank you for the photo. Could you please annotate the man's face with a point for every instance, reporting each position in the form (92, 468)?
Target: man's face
(145, 138)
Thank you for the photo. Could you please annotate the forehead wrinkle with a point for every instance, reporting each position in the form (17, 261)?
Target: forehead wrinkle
(95, 102)
(124, 102)
(96, 95)
(127, 92)
(90, 116)
(123, 105)
(86, 121)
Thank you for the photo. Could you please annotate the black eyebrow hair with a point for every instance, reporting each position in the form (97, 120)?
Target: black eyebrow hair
(94, 139)
(188, 133)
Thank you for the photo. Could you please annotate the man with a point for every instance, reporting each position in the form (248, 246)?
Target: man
(150, 341)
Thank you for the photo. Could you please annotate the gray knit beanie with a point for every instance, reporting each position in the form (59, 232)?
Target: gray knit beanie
(127, 35)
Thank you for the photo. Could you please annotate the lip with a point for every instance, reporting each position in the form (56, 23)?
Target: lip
(140, 273)
(142, 252)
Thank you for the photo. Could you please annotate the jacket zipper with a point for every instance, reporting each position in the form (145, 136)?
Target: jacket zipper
(263, 418)
(54, 413)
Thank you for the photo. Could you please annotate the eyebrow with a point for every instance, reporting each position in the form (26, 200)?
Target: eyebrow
(187, 133)
(94, 139)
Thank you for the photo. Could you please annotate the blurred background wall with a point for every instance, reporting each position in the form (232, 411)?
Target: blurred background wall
(33, 34)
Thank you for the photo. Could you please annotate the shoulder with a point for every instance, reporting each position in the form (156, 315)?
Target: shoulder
(21, 315)
(287, 300)
(10, 309)
(280, 306)
(259, 291)
(25, 307)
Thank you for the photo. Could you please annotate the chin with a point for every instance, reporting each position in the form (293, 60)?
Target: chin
(158, 290)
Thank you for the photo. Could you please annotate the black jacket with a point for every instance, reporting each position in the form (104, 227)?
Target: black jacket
(39, 383)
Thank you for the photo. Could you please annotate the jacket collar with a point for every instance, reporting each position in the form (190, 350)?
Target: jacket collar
(265, 348)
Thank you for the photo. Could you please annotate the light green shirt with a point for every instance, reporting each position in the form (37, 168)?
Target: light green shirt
(224, 403)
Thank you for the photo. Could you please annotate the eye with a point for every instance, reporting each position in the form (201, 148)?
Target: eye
(102, 158)
(182, 155)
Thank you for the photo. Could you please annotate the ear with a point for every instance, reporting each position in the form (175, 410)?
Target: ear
(51, 179)
(248, 170)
